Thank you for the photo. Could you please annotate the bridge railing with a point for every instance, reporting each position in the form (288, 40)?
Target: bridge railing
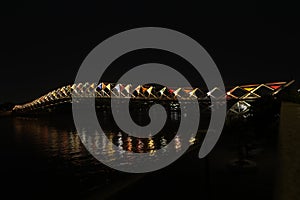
(243, 94)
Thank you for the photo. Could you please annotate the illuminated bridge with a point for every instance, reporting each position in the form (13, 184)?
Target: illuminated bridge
(241, 97)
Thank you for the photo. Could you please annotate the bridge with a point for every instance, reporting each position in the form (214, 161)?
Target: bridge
(242, 97)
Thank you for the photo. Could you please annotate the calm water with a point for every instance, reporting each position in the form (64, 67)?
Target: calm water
(44, 158)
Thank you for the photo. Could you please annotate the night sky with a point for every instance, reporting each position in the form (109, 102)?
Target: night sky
(44, 44)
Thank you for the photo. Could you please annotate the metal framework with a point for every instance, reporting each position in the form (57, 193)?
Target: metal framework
(242, 94)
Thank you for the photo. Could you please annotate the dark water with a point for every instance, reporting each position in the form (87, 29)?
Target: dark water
(43, 158)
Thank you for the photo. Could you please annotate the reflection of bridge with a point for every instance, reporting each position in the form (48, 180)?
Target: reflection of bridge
(243, 95)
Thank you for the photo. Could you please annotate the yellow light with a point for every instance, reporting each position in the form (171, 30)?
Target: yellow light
(192, 140)
(248, 88)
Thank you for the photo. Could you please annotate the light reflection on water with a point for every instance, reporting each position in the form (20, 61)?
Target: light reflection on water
(98, 144)
(59, 139)
(58, 142)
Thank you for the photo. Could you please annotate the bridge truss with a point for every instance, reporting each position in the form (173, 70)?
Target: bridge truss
(242, 96)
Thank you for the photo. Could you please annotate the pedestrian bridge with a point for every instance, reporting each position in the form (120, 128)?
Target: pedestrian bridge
(242, 96)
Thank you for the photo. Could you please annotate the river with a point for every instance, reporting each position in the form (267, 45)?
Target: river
(44, 158)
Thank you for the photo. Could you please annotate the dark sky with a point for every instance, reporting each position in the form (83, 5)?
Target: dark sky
(43, 44)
